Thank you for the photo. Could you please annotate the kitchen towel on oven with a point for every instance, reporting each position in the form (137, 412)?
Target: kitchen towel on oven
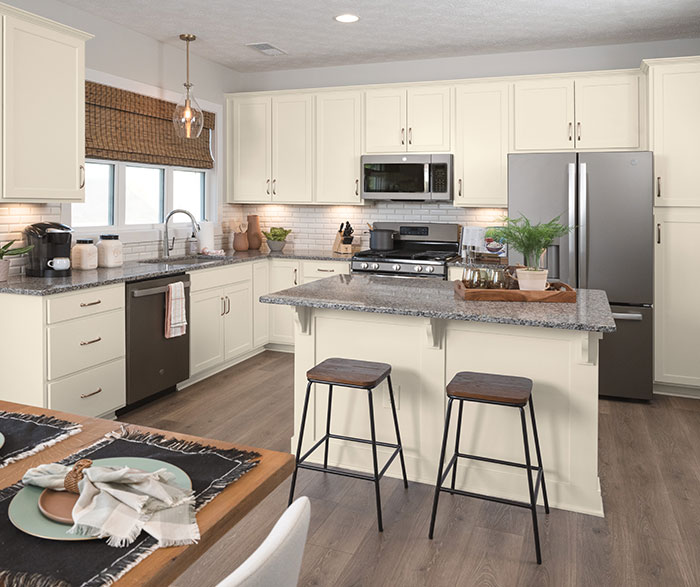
(175, 311)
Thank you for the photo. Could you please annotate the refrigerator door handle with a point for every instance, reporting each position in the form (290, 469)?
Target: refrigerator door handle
(626, 316)
(572, 222)
(582, 227)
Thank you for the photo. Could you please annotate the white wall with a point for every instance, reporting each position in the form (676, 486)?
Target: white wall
(523, 63)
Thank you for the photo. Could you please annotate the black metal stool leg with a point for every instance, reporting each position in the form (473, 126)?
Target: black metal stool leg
(301, 436)
(440, 468)
(459, 432)
(539, 456)
(398, 434)
(374, 461)
(328, 426)
(533, 502)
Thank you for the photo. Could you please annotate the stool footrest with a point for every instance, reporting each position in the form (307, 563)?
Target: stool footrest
(336, 471)
(362, 440)
(520, 504)
(497, 461)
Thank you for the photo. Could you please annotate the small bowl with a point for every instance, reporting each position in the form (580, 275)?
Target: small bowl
(276, 246)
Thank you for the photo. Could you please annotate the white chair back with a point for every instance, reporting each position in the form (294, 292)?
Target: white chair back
(277, 561)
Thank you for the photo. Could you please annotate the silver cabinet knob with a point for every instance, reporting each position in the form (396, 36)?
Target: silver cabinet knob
(418, 268)
(396, 267)
(375, 266)
(430, 269)
(364, 265)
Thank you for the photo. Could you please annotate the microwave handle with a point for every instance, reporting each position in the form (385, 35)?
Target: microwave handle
(426, 178)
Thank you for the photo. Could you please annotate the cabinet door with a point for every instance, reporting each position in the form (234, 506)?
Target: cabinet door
(292, 148)
(283, 275)
(544, 115)
(675, 123)
(481, 156)
(677, 320)
(338, 147)
(261, 312)
(206, 329)
(238, 319)
(607, 112)
(44, 113)
(249, 149)
(385, 121)
(428, 119)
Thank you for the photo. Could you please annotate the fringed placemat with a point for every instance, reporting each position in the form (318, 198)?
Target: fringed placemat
(26, 561)
(27, 434)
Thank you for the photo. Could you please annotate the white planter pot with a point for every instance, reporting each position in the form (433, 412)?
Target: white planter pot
(4, 269)
(532, 280)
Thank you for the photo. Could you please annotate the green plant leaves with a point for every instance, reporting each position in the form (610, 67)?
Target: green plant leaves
(5, 250)
(276, 233)
(530, 239)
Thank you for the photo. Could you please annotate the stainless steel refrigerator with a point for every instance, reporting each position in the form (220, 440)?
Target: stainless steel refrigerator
(608, 197)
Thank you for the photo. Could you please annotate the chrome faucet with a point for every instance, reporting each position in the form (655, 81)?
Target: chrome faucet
(167, 245)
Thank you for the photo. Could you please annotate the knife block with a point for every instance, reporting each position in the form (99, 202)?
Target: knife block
(343, 249)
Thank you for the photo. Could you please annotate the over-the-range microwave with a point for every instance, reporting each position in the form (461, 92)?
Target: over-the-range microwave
(407, 177)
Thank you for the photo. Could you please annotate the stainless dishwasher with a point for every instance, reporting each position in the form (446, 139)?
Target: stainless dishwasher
(154, 364)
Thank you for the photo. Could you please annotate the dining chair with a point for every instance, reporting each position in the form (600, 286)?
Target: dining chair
(277, 561)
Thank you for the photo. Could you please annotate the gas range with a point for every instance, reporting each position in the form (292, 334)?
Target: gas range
(421, 249)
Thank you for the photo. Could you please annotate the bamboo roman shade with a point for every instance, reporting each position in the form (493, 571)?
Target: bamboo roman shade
(126, 126)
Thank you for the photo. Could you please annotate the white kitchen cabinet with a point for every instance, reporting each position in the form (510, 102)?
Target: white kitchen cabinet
(43, 109)
(674, 112)
(283, 275)
(238, 319)
(315, 270)
(206, 329)
(677, 319)
(481, 153)
(338, 147)
(261, 312)
(385, 120)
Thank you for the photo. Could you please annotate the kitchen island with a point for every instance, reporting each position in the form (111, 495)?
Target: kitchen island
(428, 334)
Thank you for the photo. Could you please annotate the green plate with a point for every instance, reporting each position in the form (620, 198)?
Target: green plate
(24, 510)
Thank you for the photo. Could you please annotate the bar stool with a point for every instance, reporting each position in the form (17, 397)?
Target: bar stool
(356, 375)
(500, 390)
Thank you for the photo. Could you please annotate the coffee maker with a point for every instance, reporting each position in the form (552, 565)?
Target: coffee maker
(50, 256)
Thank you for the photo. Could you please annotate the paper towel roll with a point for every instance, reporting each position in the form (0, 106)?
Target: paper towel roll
(205, 236)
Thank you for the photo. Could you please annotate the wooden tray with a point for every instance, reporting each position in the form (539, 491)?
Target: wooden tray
(557, 293)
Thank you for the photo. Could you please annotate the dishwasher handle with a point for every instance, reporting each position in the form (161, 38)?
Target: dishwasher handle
(140, 293)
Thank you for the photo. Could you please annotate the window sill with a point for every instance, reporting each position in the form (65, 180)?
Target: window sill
(133, 234)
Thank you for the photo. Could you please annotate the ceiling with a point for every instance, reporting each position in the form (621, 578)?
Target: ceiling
(394, 30)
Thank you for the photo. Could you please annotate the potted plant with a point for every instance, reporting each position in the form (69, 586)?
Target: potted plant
(6, 251)
(276, 238)
(531, 240)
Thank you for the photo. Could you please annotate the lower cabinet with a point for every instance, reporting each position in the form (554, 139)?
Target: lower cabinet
(206, 329)
(238, 319)
(261, 312)
(283, 275)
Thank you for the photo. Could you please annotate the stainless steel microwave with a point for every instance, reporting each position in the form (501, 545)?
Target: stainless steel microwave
(407, 177)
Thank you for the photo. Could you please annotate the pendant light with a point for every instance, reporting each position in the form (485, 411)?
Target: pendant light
(188, 117)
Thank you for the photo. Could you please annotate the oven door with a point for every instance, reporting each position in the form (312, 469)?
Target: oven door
(396, 177)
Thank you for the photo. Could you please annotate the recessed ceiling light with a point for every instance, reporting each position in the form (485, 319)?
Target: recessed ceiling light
(347, 18)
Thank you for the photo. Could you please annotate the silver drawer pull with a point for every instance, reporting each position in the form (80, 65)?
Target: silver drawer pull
(626, 316)
(93, 341)
(326, 270)
(84, 395)
(87, 304)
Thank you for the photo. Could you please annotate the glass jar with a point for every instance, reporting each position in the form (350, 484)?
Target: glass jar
(83, 255)
(109, 251)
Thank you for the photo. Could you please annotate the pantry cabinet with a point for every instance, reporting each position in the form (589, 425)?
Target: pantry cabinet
(43, 109)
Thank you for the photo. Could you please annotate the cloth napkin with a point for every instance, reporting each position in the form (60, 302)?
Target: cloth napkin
(175, 312)
(118, 502)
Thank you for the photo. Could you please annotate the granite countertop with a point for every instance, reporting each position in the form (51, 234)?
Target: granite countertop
(434, 298)
(137, 270)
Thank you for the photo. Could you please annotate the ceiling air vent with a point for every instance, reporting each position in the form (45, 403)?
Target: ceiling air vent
(266, 49)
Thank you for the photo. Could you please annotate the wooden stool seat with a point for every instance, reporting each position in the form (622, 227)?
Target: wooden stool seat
(349, 372)
(502, 389)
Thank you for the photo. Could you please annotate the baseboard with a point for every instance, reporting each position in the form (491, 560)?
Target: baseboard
(280, 348)
(677, 390)
(214, 370)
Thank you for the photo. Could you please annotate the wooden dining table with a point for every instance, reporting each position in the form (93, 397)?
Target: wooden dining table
(164, 565)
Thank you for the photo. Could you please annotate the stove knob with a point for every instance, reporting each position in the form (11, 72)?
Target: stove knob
(363, 266)
(375, 266)
(430, 269)
(396, 267)
(418, 268)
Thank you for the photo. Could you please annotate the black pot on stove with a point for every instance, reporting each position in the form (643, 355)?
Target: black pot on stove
(381, 239)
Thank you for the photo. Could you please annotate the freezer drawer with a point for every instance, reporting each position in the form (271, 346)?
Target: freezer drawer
(626, 356)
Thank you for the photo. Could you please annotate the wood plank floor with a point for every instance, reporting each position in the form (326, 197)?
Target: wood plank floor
(649, 471)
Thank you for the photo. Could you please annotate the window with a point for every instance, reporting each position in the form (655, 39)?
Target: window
(133, 195)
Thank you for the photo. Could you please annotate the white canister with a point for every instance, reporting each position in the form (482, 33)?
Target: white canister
(109, 251)
(84, 254)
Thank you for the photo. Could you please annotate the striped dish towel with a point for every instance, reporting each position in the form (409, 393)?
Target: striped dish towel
(175, 312)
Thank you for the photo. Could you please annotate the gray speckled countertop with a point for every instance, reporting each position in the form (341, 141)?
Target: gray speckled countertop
(137, 270)
(435, 298)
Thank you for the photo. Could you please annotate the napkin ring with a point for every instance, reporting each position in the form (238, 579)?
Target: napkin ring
(75, 475)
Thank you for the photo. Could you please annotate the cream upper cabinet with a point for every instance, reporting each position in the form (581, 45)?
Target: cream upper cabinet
(43, 109)
(677, 319)
(292, 148)
(607, 112)
(250, 148)
(481, 139)
(338, 147)
(544, 114)
(674, 108)
(428, 122)
(385, 120)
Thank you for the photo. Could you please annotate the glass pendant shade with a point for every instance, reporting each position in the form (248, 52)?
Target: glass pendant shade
(188, 117)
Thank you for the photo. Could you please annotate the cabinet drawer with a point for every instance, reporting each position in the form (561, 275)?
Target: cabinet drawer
(84, 343)
(220, 276)
(320, 269)
(91, 393)
(84, 303)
